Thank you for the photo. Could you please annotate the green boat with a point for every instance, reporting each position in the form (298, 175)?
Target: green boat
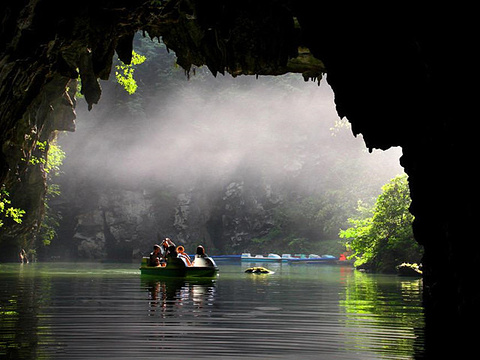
(177, 268)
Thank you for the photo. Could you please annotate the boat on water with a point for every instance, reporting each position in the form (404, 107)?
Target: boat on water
(178, 268)
(289, 258)
(261, 258)
(309, 259)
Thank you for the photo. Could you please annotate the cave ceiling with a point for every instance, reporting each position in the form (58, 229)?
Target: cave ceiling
(47, 45)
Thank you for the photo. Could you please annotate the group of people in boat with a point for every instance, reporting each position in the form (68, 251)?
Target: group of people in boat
(167, 251)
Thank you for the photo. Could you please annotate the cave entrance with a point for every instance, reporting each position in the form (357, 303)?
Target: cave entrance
(228, 162)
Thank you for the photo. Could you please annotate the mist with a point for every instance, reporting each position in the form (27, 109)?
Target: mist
(207, 129)
(217, 160)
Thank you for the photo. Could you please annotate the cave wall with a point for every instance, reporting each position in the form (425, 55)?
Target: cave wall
(416, 104)
(115, 223)
(413, 101)
(416, 64)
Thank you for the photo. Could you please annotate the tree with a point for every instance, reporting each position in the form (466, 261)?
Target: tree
(381, 237)
(124, 73)
(52, 163)
(8, 211)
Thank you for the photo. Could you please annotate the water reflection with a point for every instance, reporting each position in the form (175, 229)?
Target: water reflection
(21, 296)
(168, 295)
(383, 313)
(312, 312)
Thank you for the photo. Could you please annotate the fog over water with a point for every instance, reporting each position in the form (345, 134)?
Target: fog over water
(208, 128)
(221, 159)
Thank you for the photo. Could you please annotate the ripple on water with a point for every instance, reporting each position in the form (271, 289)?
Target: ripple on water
(308, 313)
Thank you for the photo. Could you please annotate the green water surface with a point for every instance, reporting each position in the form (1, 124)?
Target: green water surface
(109, 311)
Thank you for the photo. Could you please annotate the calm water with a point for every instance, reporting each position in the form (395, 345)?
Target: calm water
(95, 311)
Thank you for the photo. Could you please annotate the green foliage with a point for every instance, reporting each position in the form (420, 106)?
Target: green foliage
(124, 73)
(54, 160)
(275, 242)
(49, 226)
(306, 224)
(8, 211)
(271, 243)
(382, 237)
(52, 156)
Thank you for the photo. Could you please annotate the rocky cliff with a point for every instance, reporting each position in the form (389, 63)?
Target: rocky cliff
(124, 224)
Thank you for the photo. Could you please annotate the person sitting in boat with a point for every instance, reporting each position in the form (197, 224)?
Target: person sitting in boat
(182, 254)
(171, 252)
(166, 243)
(155, 256)
(173, 260)
(200, 252)
(201, 258)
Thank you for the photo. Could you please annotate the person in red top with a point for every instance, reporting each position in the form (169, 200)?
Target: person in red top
(181, 253)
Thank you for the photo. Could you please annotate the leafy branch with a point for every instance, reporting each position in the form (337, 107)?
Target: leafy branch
(124, 73)
(8, 211)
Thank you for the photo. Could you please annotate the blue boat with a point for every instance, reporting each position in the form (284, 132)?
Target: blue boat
(261, 258)
(290, 259)
(226, 257)
(310, 259)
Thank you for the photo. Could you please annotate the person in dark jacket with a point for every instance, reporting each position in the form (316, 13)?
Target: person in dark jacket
(155, 256)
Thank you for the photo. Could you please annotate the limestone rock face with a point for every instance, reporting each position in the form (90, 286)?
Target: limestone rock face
(246, 213)
(112, 228)
(125, 223)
